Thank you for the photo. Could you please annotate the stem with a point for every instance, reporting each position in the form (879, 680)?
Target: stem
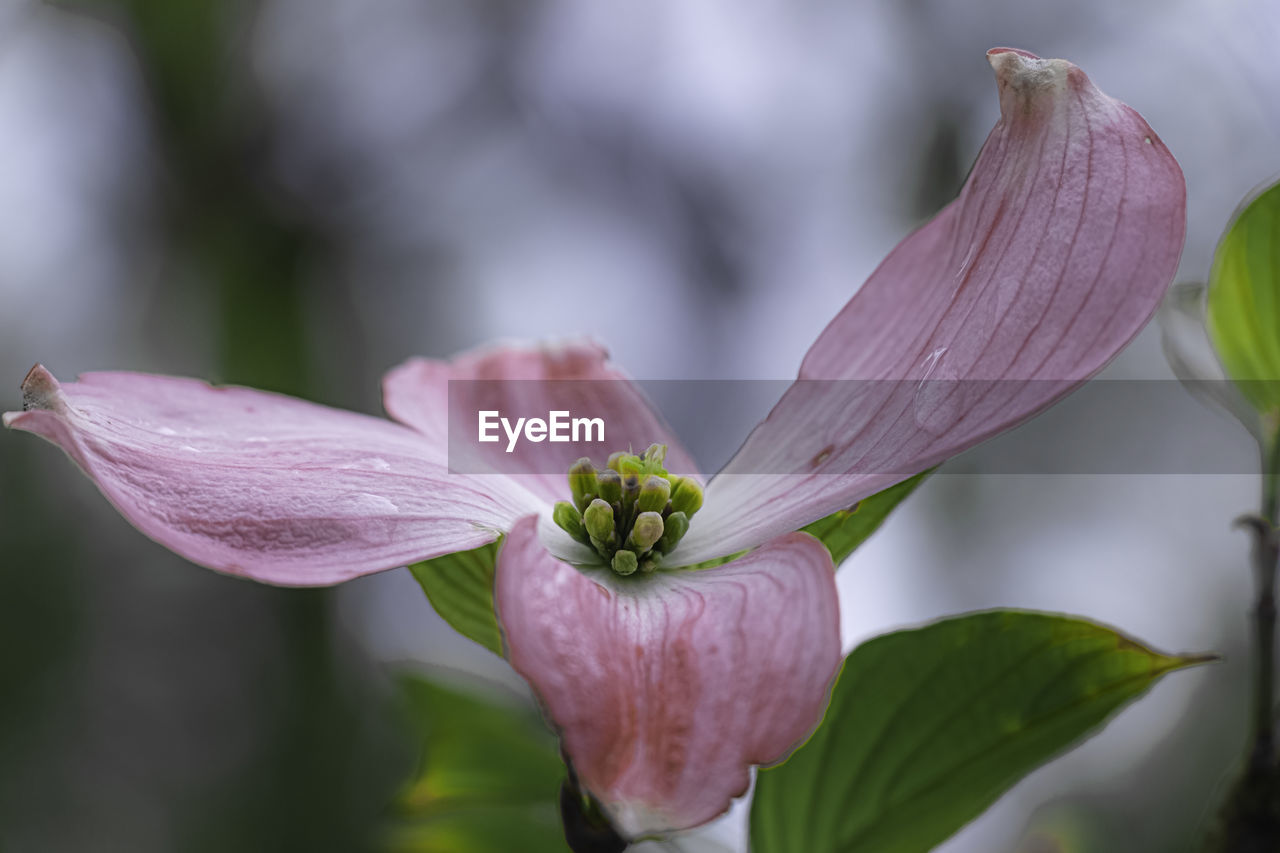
(586, 827)
(1250, 819)
(1266, 549)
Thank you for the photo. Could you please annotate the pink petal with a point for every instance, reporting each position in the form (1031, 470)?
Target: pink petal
(1055, 254)
(666, 689)
(444, 398)
(262, 485)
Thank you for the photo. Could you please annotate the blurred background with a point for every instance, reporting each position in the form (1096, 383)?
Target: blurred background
(298, 194)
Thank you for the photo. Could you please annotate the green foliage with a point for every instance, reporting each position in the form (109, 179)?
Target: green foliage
(460, 588)
(488, 781)
(1244, 301)
(845, 530)
(928, 727)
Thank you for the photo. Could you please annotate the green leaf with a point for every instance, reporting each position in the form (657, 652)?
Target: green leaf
(928, 727)
(489, 778)
(460, 588)
(1244, 301)
(845, 530)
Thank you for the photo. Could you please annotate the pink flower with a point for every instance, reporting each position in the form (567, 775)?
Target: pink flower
(667, 687)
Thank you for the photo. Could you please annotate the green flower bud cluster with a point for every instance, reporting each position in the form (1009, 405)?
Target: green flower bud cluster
(632, 512)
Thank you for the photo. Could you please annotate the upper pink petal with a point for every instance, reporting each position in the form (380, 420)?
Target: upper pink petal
(443, 399)
(1055, 254)
(666, 689)
(263, 485)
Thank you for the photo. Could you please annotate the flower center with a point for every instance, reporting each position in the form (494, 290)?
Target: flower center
(632, 512)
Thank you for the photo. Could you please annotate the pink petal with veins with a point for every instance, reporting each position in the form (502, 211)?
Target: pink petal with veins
(528, 381)
(1054, 255)
(262, 485)
(666, 689)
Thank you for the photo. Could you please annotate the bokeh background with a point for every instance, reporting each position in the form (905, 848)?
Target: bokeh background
(298, 194)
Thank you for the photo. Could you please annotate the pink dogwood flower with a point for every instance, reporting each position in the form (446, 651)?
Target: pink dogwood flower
(667, 685)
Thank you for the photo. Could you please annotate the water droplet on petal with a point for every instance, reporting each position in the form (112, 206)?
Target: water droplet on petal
(938, 401)
(368, 504)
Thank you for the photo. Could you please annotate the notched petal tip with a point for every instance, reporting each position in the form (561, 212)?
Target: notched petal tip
(1022, 77)
(1015, 50)
(40, 390)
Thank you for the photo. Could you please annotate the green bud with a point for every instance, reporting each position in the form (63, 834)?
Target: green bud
(686, 496)
(568, 520)
(651, 563)
(625, 563)
(653, 494)
(599, 520)
(630, 466)
(610, 485)
(675, 527)
(645, 532)
(630, 486)
(582, 483)
(655, 455)
(615, 460)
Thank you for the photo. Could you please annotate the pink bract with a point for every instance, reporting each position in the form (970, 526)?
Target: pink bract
(667, 691)
(1055, 254)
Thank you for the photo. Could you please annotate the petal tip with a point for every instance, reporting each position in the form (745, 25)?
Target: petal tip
(1002, 58)
(40, 390)
(1022, 76)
